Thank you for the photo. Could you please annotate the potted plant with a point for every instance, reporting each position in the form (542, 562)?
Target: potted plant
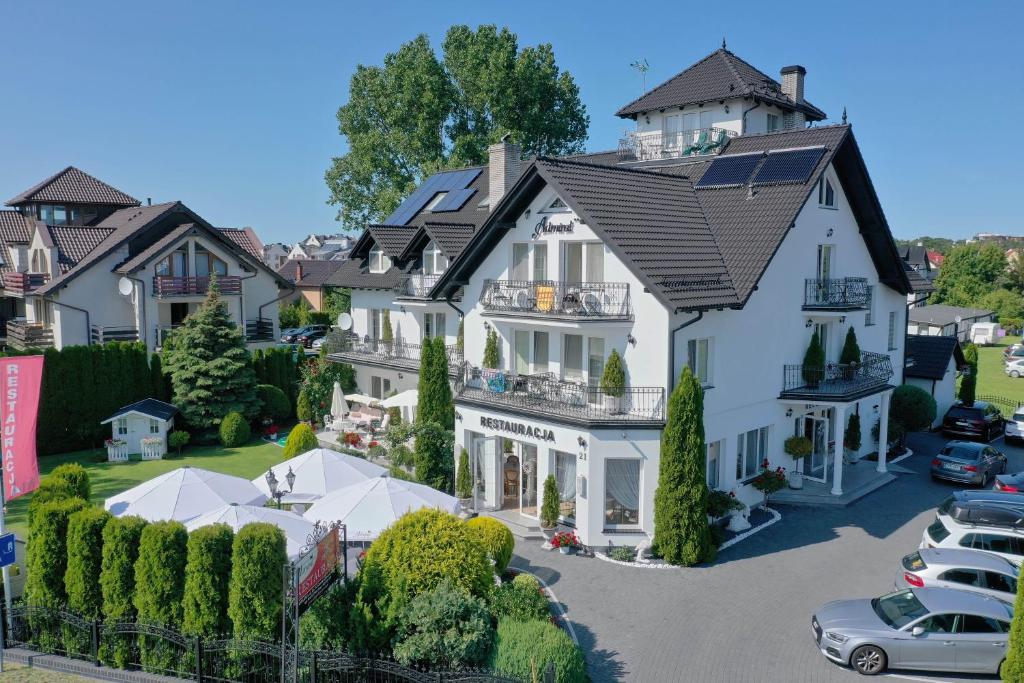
(849, 357)
(565, 541)
(814, 362)
(464, 482)
(851, 438)
(613, 383)
(549, 508)
(798, 448)
(769, 481)
(721, 504)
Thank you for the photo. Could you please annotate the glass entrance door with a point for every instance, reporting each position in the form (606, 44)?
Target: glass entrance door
(815, 429)
(528, 480)
(486, 484)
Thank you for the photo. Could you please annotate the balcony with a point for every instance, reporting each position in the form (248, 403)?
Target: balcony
(24, 283)
(416, 286)
(259, 330)
(101, 334)
(652, 145)
(22, 335)
(838, 382)
(840, 294)
(398, 354)
(167, 286)
(548, 397)
(557, 300)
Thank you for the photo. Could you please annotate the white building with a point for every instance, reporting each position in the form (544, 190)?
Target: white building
(85, 263)
(726, 258)
(933, 363)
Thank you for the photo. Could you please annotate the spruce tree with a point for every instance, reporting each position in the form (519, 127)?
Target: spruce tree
(211, 374)
(681, 532)
(851, 350)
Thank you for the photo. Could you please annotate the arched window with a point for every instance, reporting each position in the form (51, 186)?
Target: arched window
(434, 260)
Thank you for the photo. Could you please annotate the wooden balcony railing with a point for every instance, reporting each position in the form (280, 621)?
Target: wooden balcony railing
(169, 286)
(261, 329)
(25, 335)
(101, 334)
(23, 283)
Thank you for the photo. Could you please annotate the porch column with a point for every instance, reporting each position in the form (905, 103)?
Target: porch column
(883, 431)
(837, 461)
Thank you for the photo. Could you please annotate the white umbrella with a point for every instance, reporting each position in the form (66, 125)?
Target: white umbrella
(319, 472)
(182, 494)
(407, 399)
(367, 508)
(339, 407)
(296, 529)
(363, 398)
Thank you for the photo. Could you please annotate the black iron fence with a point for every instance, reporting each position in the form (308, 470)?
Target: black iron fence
(838, 380)
(547, 298)
(836, 294)
(395, 353)
(547, 395)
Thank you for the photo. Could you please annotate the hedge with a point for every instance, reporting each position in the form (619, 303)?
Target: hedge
(444, 627)
(47, 552)
(160, 588)
(277, 367)
(82, 576)
(121, 538)
(524, 647)
(255, 593)
(207, 576)
(276, 405)
(300, 440)
(521, 600)
(496, 538)
(234, 430)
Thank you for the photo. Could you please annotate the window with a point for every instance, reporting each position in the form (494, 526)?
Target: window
(938, 623)
(938, 531)
(565, 477)
(380, 387)
(540, 262)
(572, 356)
(436, 200)
(122, 426)
(595, 364)
(773, 122)
(540, 352)
(173, 265)
(869, 317)
(1000, 582)
(154, 426)
(433, 325)
(892, 330)
(379, 261)
(714, 464)
(434, 260)
(826, 195)
(972, 623)
(699, 360)
(583, 262)
(994, 543)
(751, 450)
(207, 263)
(521, 350)
(967, 577)
(825, 254)
(38, 261)
(557, 206)
(822, 330)
(521, 262)
(621, 492)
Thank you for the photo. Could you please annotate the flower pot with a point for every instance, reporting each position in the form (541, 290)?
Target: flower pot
(796, 480)
(738, 520)
(565, 549)
(612, 404)
(548, 533)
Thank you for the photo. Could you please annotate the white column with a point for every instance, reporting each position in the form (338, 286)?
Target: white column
(883, 432)
(837, 462)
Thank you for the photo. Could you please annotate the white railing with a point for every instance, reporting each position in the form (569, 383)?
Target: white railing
(656, 144)
(154, 449)
(117, 452)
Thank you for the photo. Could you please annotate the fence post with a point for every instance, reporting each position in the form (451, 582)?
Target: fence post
(199, 659)
(549, 673)
(313, 667)
(95, 633)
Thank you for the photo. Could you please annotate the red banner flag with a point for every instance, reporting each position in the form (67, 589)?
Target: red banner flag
(22, 378)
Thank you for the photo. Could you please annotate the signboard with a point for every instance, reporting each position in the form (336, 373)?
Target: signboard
(7, 550)
(22, 378)
(317, 569)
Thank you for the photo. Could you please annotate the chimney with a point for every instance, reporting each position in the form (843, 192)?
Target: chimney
(298, 271)
(149, 201)
(503, 169)
(793, 85)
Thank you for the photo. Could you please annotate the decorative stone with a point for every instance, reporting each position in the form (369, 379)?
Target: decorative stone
(738, 520)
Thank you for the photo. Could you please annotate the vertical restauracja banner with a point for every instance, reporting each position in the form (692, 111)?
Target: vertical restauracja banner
(22, 378)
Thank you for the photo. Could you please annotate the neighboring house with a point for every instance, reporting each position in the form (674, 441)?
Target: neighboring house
(946, 321)
(935, 259)
(274, 255)
(309, 278)
(674, 257)
(87, 263)
(321, 248)
(933, 364)
(921, 274)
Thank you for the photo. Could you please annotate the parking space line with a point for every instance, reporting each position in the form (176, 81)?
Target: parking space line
(914, 678)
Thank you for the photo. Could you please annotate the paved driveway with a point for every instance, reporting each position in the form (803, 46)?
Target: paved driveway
(747, 617)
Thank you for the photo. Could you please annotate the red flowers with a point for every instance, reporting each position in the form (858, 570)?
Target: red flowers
(352, 439)
(565, 539)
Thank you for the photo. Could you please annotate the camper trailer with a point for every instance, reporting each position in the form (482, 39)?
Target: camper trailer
(986, 334)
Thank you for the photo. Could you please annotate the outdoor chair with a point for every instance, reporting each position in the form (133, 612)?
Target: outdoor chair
(702, 140)
(719, 140)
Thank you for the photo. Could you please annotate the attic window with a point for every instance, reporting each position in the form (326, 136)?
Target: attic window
(826, 195)
(436, 200)
(556, 206)
(379, 261)
(485, 202)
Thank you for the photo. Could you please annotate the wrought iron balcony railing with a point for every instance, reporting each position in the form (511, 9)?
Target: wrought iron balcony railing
(656, 144)
(838, 380)
(550, 299)
(168, 286)
(416, 286)
(545, 395)
(836, 294)
(397, 353)
(23, 283)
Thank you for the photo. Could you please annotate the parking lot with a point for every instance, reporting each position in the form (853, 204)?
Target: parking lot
(746, 617)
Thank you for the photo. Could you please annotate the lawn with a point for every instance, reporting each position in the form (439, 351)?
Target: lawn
(16, 673)
(992, 380)
(108, 478)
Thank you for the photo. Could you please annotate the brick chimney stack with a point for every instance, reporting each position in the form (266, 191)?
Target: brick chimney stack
(298, 271)
(503, 169)
(793, 85)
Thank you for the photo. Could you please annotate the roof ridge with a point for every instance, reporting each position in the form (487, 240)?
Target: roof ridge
(671, 78)
(624, 169)
(725, 54)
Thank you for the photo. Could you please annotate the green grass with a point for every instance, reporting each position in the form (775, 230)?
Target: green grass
(16, 673)
(108, 479)
(992, 380)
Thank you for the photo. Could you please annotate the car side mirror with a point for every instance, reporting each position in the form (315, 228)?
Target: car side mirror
(918, 631)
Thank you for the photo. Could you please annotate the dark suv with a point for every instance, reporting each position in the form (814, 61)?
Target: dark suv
(294, 336)
(979, 420)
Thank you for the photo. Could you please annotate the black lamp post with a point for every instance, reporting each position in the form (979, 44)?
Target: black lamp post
(272, 483)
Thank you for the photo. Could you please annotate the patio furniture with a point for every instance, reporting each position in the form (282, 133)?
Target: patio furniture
(702, 140)
(719, 140)
(545, 298)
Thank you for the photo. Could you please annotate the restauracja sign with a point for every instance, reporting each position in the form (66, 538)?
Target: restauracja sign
(517, 428)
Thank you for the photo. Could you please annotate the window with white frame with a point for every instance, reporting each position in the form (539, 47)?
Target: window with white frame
(892, 330)
(433, 325)
(557, 206)
(869, 317)
(699, 359)
(774, 123)
(379, 261)
(530, 352)
(572, 356)
(751, 451)
(122, 425)
(529, 260)
(540, 352)
(154, 426)
(434, 260)
(826, 195)
(436, 200)
(622, 492)
(714, 464)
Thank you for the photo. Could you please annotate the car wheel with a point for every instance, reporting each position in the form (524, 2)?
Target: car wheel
(868, 660)
(1014, 373)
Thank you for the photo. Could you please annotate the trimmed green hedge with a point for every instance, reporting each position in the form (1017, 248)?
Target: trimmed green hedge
(234, 430)
(276, 405)
(526, 647)
(255, 594)
(75, 477)
(47, 552)
(159, 589)
(121, 538)
(497, 540)
(207, 577)
(300, 440)
(82, 576)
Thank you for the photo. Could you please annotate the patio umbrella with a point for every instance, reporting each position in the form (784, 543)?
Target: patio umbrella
(363, 398)
(319, 472)
(296, 529)
(182, 494)
(339, 406)
(371, 506)
(407, 399)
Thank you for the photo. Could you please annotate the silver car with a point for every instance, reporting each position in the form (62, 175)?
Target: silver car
(938, 629)
(960, 568)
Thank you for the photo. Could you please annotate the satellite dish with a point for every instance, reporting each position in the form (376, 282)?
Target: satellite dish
(345, 321)
(124, 285)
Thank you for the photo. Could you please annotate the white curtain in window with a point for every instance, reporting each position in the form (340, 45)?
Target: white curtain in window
(565, 475)
(622, 482)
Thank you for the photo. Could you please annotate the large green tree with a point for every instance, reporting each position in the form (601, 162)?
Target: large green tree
(681, 532)
(422, 111)
(211, 373)
(969, 272)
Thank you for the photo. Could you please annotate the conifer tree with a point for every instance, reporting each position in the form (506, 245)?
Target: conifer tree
(969, 382)
(851, 350)
(207, 576)
(211, 374)
(492, 356)
(681, 532)
(387, 334)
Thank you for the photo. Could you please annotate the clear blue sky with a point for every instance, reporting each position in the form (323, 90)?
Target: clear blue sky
(230, 106)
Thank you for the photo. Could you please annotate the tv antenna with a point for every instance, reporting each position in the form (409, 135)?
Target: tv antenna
(642, 67)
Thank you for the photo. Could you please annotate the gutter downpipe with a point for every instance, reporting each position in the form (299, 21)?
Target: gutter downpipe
(144, 336)
(289, 292)
(88, 325)
(743, 117)
(241, 298)
(672, 357)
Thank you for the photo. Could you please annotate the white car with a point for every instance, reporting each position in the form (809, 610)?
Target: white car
(1013, 428)
(1015, 368)
(317, 343)
(959, 568)
(945, 532)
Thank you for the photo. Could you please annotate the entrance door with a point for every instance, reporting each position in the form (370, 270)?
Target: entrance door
(815, 429)
(671, 131)
(528, 480)
(522, 350)
(486, 485)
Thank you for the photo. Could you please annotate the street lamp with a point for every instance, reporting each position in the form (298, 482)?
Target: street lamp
(272, 485)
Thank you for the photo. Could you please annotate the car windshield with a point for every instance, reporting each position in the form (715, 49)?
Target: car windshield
(898, 609)
(1018, 417)
(960, 452)
(965, 413)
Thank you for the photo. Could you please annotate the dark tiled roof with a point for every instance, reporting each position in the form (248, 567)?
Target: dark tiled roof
(315, 272)
(471, 212)
(353, 273)
(941, 315)
(246, 239)
(928, 356)
(72, 186)
(15, 228)
(607, 158)
(391, 238)
(919, 283)
(74, 243)
(720, 75)
(916, 256)
(147, 406)
(451, 237)
(154, 249)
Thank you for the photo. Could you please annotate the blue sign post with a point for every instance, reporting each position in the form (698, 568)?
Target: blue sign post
(6, 550)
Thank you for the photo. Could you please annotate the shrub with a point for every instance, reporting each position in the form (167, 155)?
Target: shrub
(613, 381)
(492, 355)
(326, 624)
(303, 407)
(255, 594)
(496, 538)
(386, 333)
(1013, 667)
(851, 350)
(82, 576)
(300, 440)
(275, 403)
(177, 440)
(75, 477)
(624, 553)
(49, 490)
(234, 430)
(444, 627)
(550, 507)
(525, 648)
(798, 447)
(721, 503)
(521, 600)
(814, 361)
(47, 552)
(912, 407)
(969, 381)
(464, 478)
(434, 455)
(851, 439)
(117, 582)
(207, 575)
(160, 573)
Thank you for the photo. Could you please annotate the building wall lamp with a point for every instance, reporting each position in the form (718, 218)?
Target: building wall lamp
(581, 442)
(789, 412)
(458, 416)
(809, 323)
(630, 339)
(842, 319)
(829, 233)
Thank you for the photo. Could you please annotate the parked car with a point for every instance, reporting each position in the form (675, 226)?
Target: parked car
(938, 629)
(306, 339)
(1014, 367)
(317, 343)
(1013, 429)
(1013, 351)
(958, 568)
(980, 420)
(968, 462)
(982, 520)
(291, 335)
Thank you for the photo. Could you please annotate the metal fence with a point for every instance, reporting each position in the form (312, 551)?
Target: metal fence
(843, 294)
(838, 379)
(416, 286)
(1006, 405)
(547, 298)
(395, 353)
(656, 144)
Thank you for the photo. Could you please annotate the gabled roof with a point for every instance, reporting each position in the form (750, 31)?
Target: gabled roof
(721, 75)
(355, 275)
(928, 356)
(74, 243)
(451, 238)
(392, 239)
(315, 272)
(72, 186)
(470, 213)
(15, 228)
(916, 256)
(245, 238)
(918, 283)
(147, 406)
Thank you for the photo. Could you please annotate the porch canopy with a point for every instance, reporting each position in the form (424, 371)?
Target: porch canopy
(319, 472)
(297, 531)
(369, 507)
(183, 494)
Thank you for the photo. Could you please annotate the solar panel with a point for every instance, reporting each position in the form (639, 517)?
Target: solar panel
(734, 169)
(421, 196)
(788, 166)
(454, 200)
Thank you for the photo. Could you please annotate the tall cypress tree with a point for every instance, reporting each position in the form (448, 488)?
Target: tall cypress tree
(681, 532)
(211, 374)
(444, 404)
(425, 401)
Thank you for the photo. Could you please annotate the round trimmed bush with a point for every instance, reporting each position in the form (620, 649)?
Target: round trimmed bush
(75, 477)
(497, 540)
(300, 440)
(234, 430)
(275, 404)
(912, 407)
(525, 647)
(255, 592)
(522, 600)
(207, 576)
(444, 627)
